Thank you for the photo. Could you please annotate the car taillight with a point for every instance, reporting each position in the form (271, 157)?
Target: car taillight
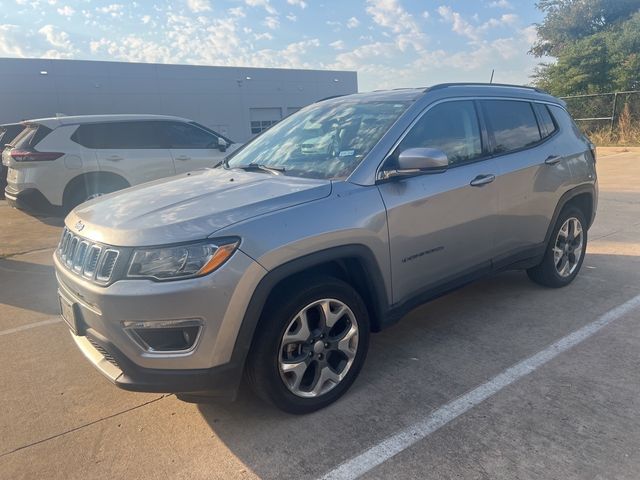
(33, 156)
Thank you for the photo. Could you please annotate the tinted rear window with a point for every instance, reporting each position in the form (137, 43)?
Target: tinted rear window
(8, 133)
(30, 137)
(547, 125)
(513, 124)
(120, 135)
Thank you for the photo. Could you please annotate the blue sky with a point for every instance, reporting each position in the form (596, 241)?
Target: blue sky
(391, 43)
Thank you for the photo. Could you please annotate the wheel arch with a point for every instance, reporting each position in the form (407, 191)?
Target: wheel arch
(354, 264)
(582, 197)
(92, 178)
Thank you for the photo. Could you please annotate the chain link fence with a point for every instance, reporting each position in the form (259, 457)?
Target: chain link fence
(601, 110)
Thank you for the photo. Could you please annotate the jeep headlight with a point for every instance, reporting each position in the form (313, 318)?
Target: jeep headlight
(173, 262)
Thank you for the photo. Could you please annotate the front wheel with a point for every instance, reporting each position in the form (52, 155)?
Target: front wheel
(565, 251)
(310, 346)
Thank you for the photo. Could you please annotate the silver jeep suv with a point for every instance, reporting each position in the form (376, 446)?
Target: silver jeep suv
(276, 265)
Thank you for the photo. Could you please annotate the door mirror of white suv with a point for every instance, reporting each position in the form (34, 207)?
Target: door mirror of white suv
(415, 161)
(222, 144)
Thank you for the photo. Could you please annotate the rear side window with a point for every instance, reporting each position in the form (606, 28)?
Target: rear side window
(30, 137)
(513, 124)
(547, 125)
(185, 135)
(120, 135)
(451, 127)
(9, 133)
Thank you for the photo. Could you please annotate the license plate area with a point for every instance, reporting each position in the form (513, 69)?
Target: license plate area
(68, 313)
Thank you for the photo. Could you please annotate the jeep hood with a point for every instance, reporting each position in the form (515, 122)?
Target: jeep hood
(189, 207)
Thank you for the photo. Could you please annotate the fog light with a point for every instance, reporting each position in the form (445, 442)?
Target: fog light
(167, 336)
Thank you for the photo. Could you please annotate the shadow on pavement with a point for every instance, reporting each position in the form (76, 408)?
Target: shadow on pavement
(28, 285)
(436, 353)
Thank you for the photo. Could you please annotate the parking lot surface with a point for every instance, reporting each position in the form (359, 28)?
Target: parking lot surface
(576, 415)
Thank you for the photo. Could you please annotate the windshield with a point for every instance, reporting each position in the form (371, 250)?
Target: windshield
(326, 140)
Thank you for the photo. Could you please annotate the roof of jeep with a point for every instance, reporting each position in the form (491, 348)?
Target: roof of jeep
(444, 90)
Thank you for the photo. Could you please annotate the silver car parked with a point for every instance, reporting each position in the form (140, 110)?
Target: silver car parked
(334, 223)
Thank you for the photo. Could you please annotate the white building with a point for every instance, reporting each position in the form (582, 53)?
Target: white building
(235, 101)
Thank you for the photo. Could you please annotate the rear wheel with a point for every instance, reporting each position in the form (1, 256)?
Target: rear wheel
(89, 187)
(310, 346)
(565, 251)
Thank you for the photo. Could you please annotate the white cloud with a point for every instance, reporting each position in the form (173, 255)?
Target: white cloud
(291, 17)
(300, 3)
(115, 9)
(338, 45)
(263, 36)
(353, 22)
(475, 32)
(271, 22)
(59, 40)
(262, 3)
(13, 41)
(146, 19)
(66, 11)
(501, 4)
(198, 6)
(237, 12)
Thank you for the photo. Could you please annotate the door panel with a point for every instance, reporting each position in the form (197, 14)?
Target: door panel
(528, 188)
(132, 149)
(191, 147)
(440, 226)
(137, 165)
(186, 160)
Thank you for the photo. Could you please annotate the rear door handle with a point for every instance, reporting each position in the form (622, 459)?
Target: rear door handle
(552, 159)
(183, 157)
(114, 158)
(481, 180)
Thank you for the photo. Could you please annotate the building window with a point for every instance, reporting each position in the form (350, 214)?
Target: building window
(258, 126)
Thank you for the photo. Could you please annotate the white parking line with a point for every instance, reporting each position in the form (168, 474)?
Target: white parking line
(29, 326)
(398, 442)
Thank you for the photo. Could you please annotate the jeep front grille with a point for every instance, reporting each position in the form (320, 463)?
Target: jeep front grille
(83, 257)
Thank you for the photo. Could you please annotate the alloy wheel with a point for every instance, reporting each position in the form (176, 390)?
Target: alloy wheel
(569, 247)
(318, 348)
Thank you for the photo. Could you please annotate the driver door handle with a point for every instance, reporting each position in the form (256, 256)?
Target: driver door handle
(183, 157)
(552, 159)
(114, 158)
(481, 180)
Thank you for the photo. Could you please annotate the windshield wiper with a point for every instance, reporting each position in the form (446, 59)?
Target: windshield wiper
(260, 166)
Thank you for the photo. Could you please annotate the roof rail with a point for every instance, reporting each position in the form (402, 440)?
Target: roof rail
(480, 84)
(330, 97)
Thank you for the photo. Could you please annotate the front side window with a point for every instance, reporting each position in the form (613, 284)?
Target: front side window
(184, 135)
(324, 140)
(451, 127)
(513, 124)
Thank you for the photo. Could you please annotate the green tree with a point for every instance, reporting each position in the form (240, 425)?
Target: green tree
(596, 44)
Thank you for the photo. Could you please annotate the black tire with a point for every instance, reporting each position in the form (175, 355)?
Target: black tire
(546, 273)
(263, 371)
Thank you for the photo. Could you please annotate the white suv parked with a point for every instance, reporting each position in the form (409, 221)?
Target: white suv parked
(58, 163)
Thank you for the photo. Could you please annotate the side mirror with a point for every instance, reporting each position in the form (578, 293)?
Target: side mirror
(222, 144)
(415, 161)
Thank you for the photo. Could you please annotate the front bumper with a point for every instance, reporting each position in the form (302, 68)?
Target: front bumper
(219, 300)
(219, 382)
